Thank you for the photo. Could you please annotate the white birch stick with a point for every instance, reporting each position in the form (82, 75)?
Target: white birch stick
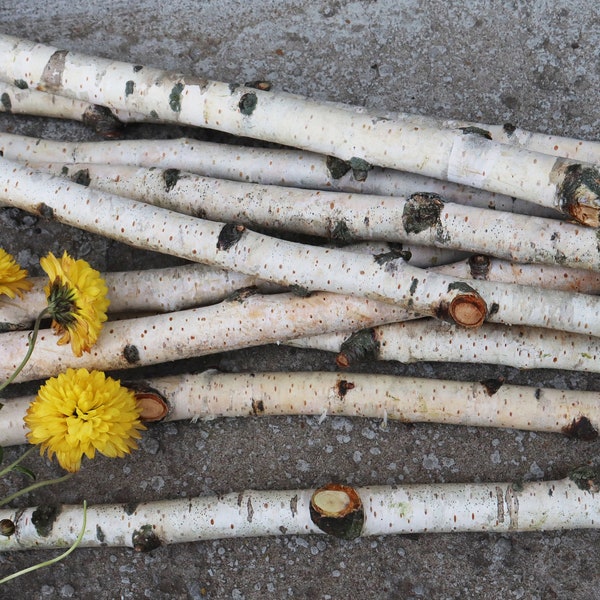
(210, 395)
(37, 103)
(292, 168)
(31, 102)
(420, 219)
(570, 503)
(552, 277)
(187, 286)
(555, 145)
(147, 291)
(428, 340)
(237, 248)
(250, 321)
(295, 264)
(461, 157)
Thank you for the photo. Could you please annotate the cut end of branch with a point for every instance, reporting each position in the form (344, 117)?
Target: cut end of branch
(578, 190)
(152, 407)
(152, 404)
(337, 510)
(468, 310)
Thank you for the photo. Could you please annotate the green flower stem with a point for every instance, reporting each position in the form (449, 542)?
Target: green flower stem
(35, 486)
(32, 340)
(47, 563)
(14, 464)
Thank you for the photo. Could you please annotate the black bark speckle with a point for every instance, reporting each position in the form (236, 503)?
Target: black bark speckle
(248, 103)
(229, 236)
(421, 211)
(43, 518)
(131, 354)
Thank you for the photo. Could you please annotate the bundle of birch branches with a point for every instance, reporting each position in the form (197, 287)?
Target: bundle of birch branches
(440, 240)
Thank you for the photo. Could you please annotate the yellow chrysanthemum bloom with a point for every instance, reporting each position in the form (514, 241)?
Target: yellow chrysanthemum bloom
(77, 301)
(13, 279)
(81, 412)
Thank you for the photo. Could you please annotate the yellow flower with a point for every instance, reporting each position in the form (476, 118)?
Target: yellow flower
(13, 280)
(77, 301)
(81, 412)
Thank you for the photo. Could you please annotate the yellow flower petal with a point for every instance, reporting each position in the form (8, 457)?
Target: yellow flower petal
(80, 413)
(13, 279)
(77, 301)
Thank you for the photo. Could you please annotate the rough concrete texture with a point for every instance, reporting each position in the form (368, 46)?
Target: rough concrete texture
(534, 64)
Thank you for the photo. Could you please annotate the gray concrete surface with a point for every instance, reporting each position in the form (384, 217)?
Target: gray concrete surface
(535, 64)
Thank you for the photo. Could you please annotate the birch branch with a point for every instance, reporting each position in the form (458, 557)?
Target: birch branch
(341, 511)
(458, 156)
(423, 219)
(544, 276)
(31, 102)
(427, 340)
(187, 286)
(260, 165)
(233, 324)
(237, 248)
(289, 263)
(211, 395)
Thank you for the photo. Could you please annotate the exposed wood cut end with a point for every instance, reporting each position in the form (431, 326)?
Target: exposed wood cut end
(337, 510)
(152, 405)
(468, 310)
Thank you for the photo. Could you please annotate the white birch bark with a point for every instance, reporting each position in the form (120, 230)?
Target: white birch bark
(34, 102)
(283, 118)
(31, 102)
(238, 249)
(211, 395)
(428, 340)
(555, 145)
(186, 286)
(296, 264)
(230, 325)
(292, 168)
(420, 219)
(544, 276)
(417, 508)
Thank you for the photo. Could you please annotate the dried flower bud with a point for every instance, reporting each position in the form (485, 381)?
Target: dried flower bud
(7, 527)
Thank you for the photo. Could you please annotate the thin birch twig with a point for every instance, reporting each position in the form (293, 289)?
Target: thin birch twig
(237, 248)
(339, 510)
(459, 156)
(422, 218)
(210, 395)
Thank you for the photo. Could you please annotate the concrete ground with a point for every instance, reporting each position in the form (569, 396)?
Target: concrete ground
(534, 64)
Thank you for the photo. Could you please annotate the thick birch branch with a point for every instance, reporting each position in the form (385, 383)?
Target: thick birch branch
(342, 511)
(290, 168)
(428, 340)
(420, 219)
(230, 325)
(237, 248)
(33, 102)
(211, 395)
(458, 156)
